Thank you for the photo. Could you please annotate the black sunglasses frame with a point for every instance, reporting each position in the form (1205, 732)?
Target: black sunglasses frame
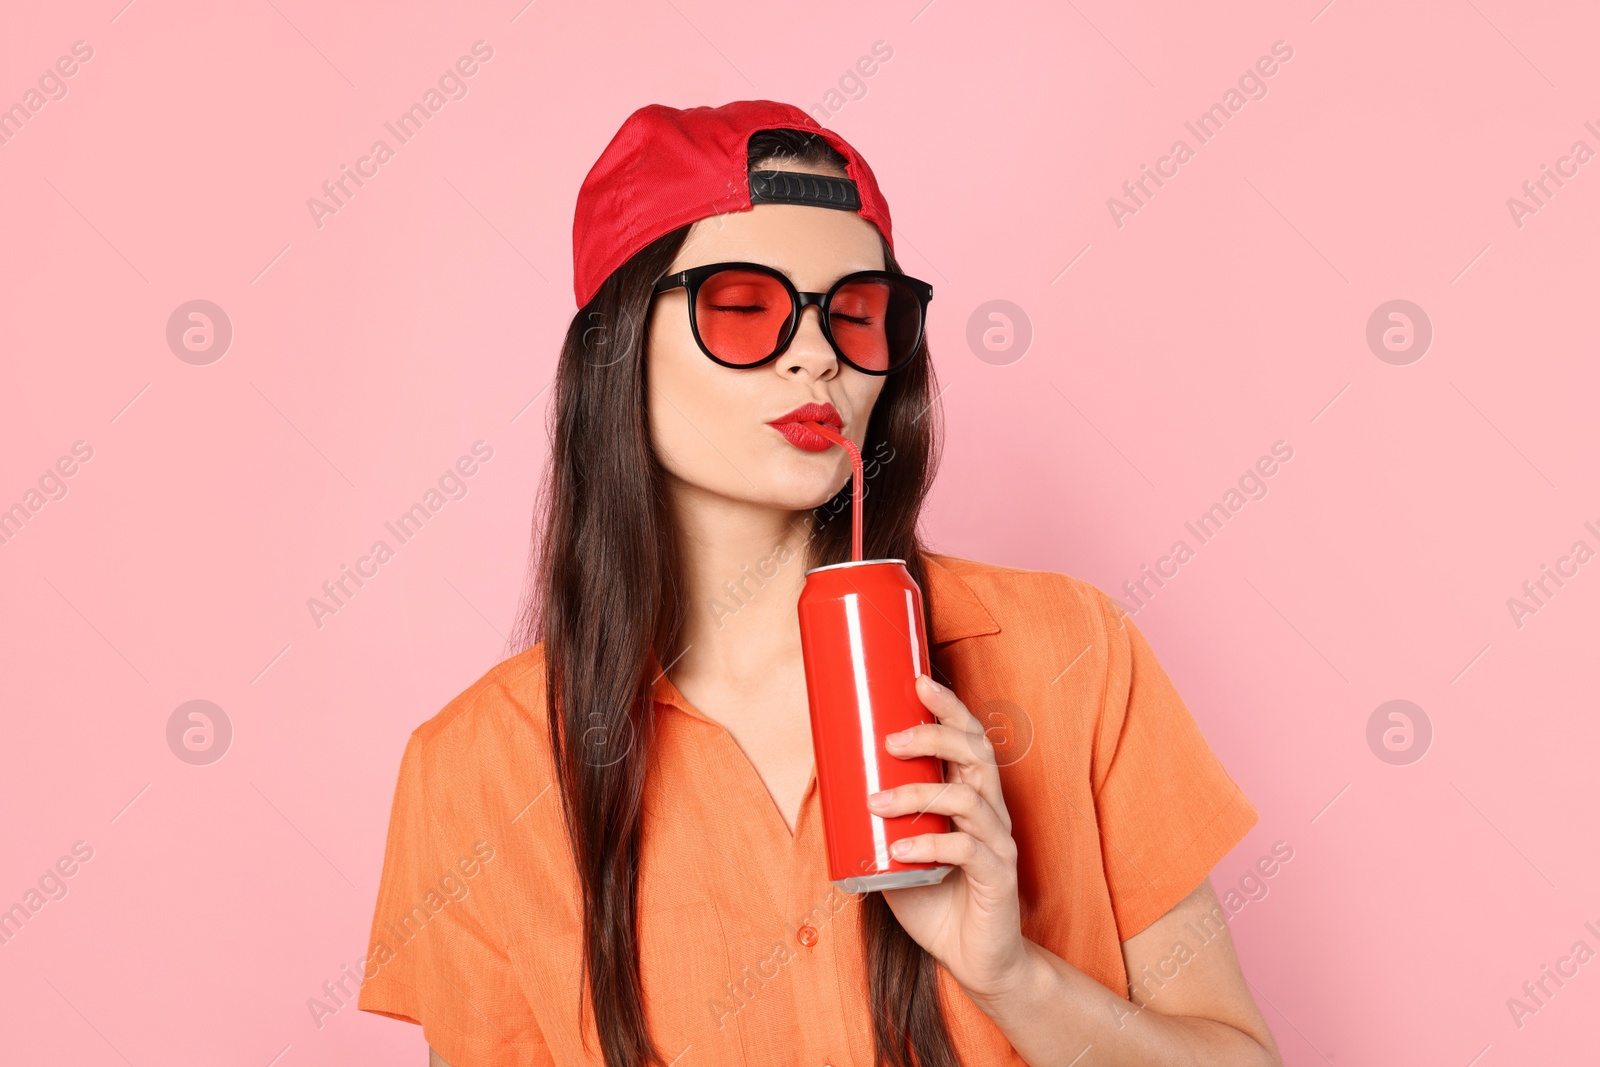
(692, 278)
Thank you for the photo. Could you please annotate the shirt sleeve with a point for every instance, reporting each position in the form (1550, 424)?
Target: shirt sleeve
(1167, 809)
(432, 957)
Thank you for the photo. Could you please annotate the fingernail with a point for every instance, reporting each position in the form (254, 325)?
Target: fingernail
(879, 799)
(900, 848)
(896, 740)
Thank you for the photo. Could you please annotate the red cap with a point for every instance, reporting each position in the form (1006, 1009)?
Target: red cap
(668, 167)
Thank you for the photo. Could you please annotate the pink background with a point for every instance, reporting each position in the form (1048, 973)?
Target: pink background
(1228, 313)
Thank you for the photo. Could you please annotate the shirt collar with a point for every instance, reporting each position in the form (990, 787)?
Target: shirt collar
(957, 613)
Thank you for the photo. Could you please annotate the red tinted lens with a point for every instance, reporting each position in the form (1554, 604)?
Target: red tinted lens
(742, 314)
(876, 322)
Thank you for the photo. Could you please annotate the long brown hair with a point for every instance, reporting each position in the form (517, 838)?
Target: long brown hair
(604, 592)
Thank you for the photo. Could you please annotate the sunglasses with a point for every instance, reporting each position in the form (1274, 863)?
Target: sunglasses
(746, 314)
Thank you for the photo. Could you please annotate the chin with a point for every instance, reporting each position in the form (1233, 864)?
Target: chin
(799, 486)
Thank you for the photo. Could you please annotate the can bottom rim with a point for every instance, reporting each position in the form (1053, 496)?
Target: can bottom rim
(894, 879)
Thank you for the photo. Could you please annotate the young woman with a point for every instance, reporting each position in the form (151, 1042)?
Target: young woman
(609, 850)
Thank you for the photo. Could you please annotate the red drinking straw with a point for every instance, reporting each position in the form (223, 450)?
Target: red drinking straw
(855, 490)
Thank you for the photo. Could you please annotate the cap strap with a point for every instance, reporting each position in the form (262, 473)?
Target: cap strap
(795, 187)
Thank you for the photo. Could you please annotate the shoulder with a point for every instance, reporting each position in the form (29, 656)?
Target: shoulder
(1025, 605)
(493, 729)
(1040, 640)
(1001, 584)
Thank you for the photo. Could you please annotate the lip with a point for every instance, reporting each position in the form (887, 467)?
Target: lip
(792, 426)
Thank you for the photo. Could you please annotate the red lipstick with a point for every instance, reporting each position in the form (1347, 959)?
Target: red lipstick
(792, 426)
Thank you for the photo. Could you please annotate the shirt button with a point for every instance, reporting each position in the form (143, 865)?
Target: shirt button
(807, 936)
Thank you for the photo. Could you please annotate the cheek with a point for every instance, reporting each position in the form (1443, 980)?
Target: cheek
(691, 400)
(862, 392)
(667, 368)
(869, 395)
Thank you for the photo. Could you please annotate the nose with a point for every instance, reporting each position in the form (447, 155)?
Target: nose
(809, 351)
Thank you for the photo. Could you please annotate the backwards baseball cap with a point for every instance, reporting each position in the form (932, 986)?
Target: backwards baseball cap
(668, 167)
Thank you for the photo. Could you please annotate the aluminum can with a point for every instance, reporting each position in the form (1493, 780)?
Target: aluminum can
(863, 642)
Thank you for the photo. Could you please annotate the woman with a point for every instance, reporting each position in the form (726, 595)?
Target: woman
(639, 876)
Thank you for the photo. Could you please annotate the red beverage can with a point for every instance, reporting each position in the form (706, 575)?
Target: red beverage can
(863, 642)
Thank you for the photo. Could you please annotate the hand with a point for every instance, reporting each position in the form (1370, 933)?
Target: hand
(971, 922)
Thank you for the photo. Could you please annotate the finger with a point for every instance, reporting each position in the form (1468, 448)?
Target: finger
(951, 711)
(937, 739)
(967, 807)
(945, 705)
(958, 736)
(962, 850)
(970, 752)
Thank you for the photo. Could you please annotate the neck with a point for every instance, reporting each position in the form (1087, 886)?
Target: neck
(743, 568)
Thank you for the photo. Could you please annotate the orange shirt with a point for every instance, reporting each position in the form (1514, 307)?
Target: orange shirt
(750, 956)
